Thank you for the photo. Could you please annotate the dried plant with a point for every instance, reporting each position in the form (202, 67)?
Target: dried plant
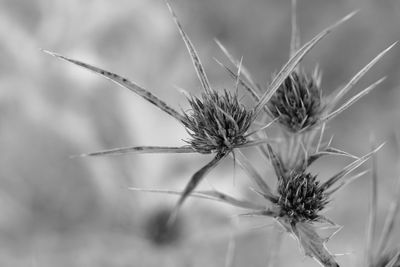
(301, 112)
(219, 123)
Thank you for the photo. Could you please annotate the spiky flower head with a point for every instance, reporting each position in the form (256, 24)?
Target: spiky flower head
(217, 122)
(301, 197)
(297, 104)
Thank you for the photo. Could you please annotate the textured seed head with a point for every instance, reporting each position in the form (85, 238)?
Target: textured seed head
(300, 197)
(297, 102)
(217, 122)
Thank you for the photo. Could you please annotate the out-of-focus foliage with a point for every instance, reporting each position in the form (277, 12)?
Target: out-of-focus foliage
(58, 211)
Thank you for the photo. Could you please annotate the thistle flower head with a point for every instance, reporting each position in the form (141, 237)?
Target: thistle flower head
(301, 197)
(217, 122)
(297, 103)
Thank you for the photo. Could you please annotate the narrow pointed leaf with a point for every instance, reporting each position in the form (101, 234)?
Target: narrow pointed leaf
(295, 36)
(255, 142)
(352, 100)
(339, 152)
(263, 212)
(359, 75)
(239, 71)
(123, 82)
(292, 63)
(371, 222)
(262, 128)
(320, 137)
(210, 195)
(387, 231)
(347, 181)
(328, 151)
(139, 150)
(192, 51)
(194, 181)
(254, 175)
(235, 62)
(349, 168)
(276, 163)
(246, 86)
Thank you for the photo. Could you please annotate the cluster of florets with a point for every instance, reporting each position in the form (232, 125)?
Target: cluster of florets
(217, 122)
(300, 197)
(297, 103)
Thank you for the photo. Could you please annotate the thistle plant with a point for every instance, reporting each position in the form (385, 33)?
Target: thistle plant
(218, 123)
(300, 110)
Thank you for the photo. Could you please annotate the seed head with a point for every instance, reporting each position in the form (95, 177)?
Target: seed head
(297, 103)
(217, 122)
(301, 197)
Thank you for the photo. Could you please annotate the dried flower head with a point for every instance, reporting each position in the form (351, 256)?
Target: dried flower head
(297, 104)
(301, 197)
(217, 122)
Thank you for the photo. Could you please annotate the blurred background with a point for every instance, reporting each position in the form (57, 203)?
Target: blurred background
(62, 211)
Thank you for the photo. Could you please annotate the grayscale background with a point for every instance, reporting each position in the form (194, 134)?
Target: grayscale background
(58, 211)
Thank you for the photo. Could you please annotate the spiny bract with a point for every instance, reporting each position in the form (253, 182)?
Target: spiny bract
(217, 122)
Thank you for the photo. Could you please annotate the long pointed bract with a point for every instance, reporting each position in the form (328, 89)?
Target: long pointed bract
(295, 36)
(192, 51)
(243, 83)
(276, 163)
(292, 63)
(349, 168)
(210, 195)
(235, 62)
(139, 149)
(394, 210)
(352, 100)
(123, 82)
(254, 175)
(359, 75)
(371, 222)
(194, 181)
